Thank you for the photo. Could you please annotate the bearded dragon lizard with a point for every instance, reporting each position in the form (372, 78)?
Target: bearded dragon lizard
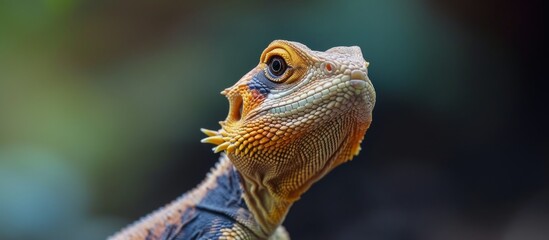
(294, 117)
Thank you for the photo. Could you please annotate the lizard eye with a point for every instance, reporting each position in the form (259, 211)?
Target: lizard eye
(277, 66)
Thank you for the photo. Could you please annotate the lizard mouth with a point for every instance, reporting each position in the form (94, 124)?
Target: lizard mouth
(236, 104)
(358, 84)
(359, 79)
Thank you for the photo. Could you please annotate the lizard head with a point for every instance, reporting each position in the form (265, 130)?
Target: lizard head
(295, 116)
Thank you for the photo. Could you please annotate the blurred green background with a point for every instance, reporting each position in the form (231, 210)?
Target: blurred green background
(101, 104)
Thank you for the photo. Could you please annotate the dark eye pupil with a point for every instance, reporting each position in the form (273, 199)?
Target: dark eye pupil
(277, 66)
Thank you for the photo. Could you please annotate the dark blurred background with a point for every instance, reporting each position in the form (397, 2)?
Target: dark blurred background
(101, 104)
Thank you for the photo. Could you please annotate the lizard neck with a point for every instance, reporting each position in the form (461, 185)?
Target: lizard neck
(231, 197)
(268, 210)
(228, 198)
(270, 191)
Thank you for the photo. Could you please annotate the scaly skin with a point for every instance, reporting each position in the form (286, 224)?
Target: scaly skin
(294, 117)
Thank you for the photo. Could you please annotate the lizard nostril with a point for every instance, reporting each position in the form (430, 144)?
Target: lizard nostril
(358, 75)
(329, 67)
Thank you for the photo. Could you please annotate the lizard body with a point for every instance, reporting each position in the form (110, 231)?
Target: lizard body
(292, 119)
